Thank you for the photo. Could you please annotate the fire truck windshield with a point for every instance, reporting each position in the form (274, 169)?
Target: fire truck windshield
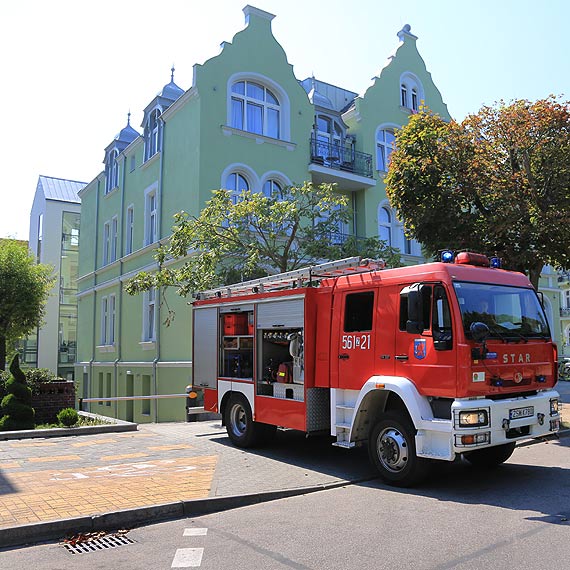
(509, 312)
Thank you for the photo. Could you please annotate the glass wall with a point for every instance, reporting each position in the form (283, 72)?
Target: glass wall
(68, 294)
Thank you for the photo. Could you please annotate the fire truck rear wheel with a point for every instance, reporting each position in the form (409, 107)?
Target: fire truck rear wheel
(392, 451)
(491, 456)
(241, 428)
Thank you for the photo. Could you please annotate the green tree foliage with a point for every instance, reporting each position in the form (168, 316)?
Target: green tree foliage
(497, 183)
(16, 410)
(254, 236)
(68, 417)
(24, 289)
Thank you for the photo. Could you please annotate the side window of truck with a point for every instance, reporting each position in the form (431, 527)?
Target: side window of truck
(358, 311)
(426, 307)
(441, 320)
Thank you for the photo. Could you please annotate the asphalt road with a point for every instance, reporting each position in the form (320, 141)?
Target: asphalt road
(515, 516)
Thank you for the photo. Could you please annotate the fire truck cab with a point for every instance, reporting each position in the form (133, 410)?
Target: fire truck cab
(426, 362)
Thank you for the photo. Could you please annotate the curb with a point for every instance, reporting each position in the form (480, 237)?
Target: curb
(115, 427)
(55, 530)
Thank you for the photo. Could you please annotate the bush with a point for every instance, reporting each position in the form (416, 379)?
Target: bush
(15, 408)
(4, 377)
(68, 417)
(37, 376)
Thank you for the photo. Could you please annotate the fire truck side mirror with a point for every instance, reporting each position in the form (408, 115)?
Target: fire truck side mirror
(415, 324)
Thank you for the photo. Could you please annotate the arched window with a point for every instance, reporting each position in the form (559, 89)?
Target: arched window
(272, 186)
(255, 109)
(111, 171)
(385, 145)
(152, 134)
(236, 183)
(385, 224)
(411, 91)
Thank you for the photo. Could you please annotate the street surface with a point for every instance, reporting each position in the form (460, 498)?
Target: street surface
(515, 517)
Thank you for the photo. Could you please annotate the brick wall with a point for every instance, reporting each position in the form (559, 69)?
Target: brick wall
(52, 398)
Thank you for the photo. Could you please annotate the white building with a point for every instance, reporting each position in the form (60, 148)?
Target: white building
(54, 240)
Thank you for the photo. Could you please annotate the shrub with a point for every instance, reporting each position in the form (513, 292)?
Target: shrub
(37, 376)
(68, 417)
(4, 377)
(16, 406)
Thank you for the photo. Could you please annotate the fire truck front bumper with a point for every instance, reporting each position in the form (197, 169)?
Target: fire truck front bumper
(486, 423)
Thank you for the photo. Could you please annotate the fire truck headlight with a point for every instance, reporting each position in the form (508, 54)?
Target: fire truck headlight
(473, 418)
(554, 406)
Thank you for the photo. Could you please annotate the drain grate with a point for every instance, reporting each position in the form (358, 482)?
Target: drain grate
(94, 541)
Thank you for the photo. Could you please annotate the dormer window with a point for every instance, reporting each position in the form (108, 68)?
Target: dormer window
(111, 170)
(152, 142)
(255, 109)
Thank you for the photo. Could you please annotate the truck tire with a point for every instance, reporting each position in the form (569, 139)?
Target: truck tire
(241, 428)
(392, 451)
(491, 456)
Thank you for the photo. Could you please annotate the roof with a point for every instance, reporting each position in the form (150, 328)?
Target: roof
(60, 189)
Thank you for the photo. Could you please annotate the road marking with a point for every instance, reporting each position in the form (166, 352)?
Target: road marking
(188, 558)
(195, 532)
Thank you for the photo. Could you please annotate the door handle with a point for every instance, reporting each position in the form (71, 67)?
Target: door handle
(343, 356)
(402, 357)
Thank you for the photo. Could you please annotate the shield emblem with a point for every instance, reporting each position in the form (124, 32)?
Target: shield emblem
(420, 348)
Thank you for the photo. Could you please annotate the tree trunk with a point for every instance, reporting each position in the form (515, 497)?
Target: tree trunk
(534, 275)
(2, 353)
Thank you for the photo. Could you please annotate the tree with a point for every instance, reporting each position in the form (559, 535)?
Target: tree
(255, 235)
(497, 183)
(24, 290)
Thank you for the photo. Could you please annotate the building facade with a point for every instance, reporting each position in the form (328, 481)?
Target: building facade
(246, 123)
(54, 240)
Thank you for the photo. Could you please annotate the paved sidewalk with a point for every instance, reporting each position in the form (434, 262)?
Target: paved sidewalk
(51, 487)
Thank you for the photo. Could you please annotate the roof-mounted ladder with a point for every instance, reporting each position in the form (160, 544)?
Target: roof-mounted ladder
(306, 276)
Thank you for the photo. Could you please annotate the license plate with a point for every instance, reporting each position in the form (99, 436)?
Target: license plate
(518, 413)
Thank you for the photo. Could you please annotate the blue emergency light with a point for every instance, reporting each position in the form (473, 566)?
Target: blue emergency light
(495, 262)
(447, 256)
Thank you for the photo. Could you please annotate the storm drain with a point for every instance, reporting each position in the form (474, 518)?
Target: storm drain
(94, 541)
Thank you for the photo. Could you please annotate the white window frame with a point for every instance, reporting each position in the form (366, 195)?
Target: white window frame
(151, 216)
(149, 316)
(104, 320)
(111, 171)
(112, 318)
(114, 237)
(130, 225)
(278, 92)
(384, 147)
(152, 133)
(383, 207)
(106, 243)
(411, 92)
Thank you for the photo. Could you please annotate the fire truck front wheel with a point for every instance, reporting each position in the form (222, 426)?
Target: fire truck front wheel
(392, 451)
(241, 428)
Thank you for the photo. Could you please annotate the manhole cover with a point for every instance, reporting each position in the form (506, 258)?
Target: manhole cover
(93, 541)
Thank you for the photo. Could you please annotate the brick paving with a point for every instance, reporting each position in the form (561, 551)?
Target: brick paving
(66, 477)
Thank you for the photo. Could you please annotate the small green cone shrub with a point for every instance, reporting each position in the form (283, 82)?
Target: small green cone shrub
(68, 417)
(16, 410)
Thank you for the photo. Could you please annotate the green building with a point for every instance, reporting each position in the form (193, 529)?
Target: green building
(246, 122)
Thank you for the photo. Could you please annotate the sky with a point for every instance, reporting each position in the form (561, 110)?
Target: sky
(72, 70)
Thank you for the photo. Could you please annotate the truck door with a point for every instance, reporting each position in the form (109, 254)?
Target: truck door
(428, 358)
(353, 338)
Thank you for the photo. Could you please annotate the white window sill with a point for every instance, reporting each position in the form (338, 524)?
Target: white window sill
(106, 348)
(150, 160)
(259, 139)
(147, 344)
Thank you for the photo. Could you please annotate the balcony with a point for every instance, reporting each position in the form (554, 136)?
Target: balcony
(334, 163)
(565, 312)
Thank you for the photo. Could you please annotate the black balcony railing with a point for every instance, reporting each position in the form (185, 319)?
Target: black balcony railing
(345, 158)
(565, 312)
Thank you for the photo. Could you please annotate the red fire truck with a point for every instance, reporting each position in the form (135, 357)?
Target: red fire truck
(433, 361)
